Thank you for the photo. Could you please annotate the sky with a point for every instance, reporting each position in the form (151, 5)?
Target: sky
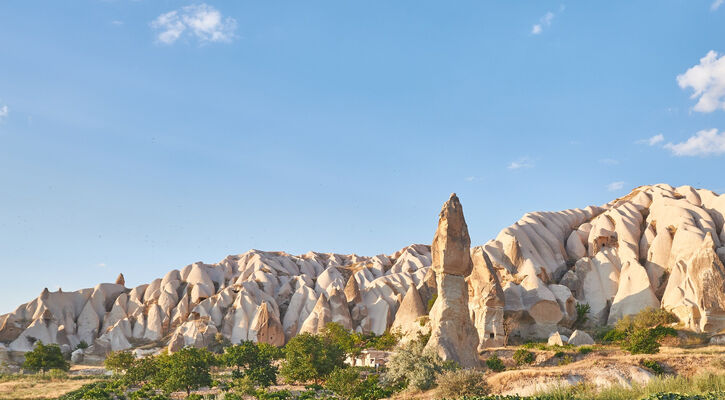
(141, 136)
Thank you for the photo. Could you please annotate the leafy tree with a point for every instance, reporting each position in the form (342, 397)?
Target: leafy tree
(309, 357)
(45, 357)
(186, 370)
(348, 384)
(642, 341)
(119, 361)
(412, 365)
(142, 370)
(253, 362)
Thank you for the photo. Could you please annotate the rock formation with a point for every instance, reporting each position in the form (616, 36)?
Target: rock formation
(453, 335)
(658, 246)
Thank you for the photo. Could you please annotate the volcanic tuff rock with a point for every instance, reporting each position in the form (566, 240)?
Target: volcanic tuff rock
(453, 335)
(657, 246)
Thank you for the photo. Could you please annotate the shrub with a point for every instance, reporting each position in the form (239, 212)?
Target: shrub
(101, 390)
(663, 331)
(386, 341)
(466, 382)
(309, 357)
(647, 318)
(276, 395)
(495, 364)
(641, 341)
(522, 356)
(347, 383)
(252, 361)
(187, 369)
(585, 350)
(141, 371)
(567, 359)
(45, 357)
(614, 336)
(82, 345)
(582, 314)
(414, 366)
(652, 365)
(119, 361)
(432, 301)
(56, 373)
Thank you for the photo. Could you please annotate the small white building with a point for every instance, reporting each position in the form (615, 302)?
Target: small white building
(369, 358)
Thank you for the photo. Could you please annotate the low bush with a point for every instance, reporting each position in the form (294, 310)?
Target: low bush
(567, 359)
(652, 365)
(44, 358)
(582, 314)
(466, 382)
(413, 366)
(584, 350)
(495, 364)
(641, 341)
(522, 356)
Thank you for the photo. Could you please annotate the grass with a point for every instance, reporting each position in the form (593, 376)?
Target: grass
(37, 387)
(699, 384)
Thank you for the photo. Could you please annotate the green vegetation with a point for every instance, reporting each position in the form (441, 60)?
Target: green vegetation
(652, 365)
(44, 358)
(119, 361)
(495, 364)
(582, 314)
(465, 382)
(310, 358)
(349, 384)
(584, 350)
(252, 362)
(432, 301)
(413, 366)
(523, 356)
(186, 370)
(642, 332)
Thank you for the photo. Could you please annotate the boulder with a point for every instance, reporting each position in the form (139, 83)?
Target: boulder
(76, 356)
(555, 340)
(580, 338)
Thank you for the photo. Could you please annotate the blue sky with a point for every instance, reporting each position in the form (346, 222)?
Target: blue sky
(140, 136)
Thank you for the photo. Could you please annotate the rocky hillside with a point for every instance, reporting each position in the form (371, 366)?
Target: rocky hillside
(657, 246)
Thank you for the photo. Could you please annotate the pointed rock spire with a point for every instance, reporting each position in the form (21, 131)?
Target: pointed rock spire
(411, 308)
(121, 280)
(451, 249)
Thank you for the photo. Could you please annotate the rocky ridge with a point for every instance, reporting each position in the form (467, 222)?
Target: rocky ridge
(658, 246)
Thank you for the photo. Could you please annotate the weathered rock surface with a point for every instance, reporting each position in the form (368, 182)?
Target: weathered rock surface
(453, 334)
(580, 338)
(657, 246)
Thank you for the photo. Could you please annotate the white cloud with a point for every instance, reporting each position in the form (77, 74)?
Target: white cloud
(544, 22)
(608, 161)
(102, 265)
(614, 186)
(705, 143)
(707, 80)
(716, 4)
(658, 138)
(4, 111)
(202, 21)
(116, 23)
(521, 163)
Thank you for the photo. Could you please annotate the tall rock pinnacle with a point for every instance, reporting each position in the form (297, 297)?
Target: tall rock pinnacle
(453, 335)
(451, 249)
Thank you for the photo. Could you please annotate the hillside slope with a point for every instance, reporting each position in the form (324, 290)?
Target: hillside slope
(657, 246)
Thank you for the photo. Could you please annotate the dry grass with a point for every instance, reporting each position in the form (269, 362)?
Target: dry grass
(36, 388)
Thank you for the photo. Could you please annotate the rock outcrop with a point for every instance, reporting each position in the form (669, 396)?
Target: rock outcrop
(658, 246)
(453, 334)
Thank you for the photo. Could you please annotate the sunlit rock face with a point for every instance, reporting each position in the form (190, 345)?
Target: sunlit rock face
(658, 246)
(453, 335)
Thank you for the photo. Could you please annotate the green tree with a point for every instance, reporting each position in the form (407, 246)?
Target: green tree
(142, 370)
(309, 357)
(119, 361)
(45, 357)
(252, 361)
(187, 369)
(412, 365)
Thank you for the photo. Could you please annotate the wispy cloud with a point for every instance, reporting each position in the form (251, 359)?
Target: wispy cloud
(716, 4)
(203, 22)
(707, 80)
(658, 138)
(102, 265)
(608, 161)
(545, 22)
(521, 163)
(704, 143)
(614, 186)
(4, 112)
(116, 23)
